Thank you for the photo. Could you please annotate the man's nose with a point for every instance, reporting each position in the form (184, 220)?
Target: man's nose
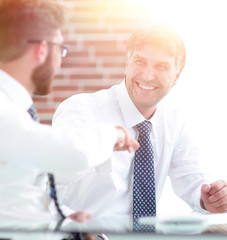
(59, 63)
(149, 73)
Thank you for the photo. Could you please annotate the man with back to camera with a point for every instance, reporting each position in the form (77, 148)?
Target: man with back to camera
(155, 58)
(31, 47)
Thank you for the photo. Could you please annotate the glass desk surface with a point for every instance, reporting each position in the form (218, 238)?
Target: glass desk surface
(194, 226)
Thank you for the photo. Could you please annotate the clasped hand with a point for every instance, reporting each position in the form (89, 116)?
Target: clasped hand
(214, 197)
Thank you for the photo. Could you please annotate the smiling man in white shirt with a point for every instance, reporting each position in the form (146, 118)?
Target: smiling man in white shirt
(156, 57)
(31, 46)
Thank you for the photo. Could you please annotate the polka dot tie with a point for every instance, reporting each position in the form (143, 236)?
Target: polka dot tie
(144, 201)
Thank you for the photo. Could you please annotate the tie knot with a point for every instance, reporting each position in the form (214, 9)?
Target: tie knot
(144, 127)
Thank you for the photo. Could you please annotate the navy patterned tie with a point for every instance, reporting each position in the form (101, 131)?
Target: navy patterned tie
(144, 200)
(53, 194)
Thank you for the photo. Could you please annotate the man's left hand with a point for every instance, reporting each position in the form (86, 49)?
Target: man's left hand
(214, 197)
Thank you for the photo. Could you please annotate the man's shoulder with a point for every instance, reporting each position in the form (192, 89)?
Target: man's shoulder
(8, 104)
(167, 108)
(171, 115)
(95, 98)
(98, 105)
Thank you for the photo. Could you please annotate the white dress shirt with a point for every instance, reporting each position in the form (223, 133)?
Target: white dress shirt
(107, 189)
(29, 149)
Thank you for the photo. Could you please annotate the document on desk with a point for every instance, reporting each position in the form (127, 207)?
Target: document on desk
(216, 218)
(194, 223)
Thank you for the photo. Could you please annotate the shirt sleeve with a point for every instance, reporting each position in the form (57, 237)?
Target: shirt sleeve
(25, 142)
(186, 173)
(94, 138)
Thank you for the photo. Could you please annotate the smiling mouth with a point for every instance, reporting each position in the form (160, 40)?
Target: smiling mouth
(146, 87)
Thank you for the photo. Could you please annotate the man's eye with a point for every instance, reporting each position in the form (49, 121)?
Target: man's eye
(140, 62)
(162, 67)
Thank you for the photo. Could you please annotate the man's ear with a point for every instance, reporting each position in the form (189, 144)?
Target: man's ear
(41, 51)
(177, 77)
(127, 61)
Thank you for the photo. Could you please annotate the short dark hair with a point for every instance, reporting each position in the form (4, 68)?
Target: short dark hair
(160, 35)
(21, 20)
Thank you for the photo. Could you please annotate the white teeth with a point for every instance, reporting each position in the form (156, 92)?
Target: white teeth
(146, 87)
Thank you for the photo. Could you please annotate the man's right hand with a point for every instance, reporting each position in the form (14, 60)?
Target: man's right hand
(83, 217)
(125, 141)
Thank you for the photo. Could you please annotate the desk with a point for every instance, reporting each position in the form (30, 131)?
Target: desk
(120, 228)
(165, 237)
(31, 235)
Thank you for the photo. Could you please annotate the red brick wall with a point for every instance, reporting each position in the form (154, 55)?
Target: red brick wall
(97, 30)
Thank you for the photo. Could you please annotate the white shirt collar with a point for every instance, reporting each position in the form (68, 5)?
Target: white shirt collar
(15, 91)
(130, 113)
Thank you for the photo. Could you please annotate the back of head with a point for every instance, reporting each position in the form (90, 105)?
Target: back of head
(162, 36)
(21, 20)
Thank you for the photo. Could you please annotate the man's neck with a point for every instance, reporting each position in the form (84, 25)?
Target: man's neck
(147, 112)
(20, 72)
